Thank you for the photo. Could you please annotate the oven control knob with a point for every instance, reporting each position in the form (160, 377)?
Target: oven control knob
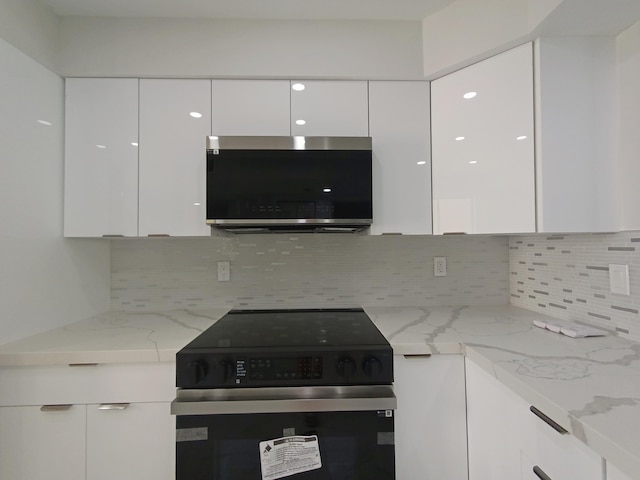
(224, 371)
(372, 366)
(346, 367)
(199, 370)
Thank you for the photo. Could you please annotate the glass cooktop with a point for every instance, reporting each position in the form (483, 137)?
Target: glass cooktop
(290, 328)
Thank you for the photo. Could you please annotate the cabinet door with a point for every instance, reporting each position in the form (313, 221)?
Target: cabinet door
(431, 440)
(135, 443)
(250, 107)
(101, 157)
(559, 456)
(613, 473)
(42, 445)
(329, 108)
(399, 127)
(175, 119)
(483, 146)
(492, 426)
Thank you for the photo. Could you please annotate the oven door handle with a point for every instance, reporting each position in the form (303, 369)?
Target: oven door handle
(284, 400)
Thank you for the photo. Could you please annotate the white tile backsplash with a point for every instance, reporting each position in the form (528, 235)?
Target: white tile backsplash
(314, 271)
(567, 277)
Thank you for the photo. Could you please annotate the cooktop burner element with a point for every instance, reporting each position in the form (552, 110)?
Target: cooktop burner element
(249, 348)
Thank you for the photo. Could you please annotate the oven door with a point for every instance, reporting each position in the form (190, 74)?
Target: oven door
(301, 433)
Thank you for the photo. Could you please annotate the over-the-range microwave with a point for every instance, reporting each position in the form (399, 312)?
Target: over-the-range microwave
(267, 183)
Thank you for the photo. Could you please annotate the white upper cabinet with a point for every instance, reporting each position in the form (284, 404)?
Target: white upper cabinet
(329, 108)
(101, 157)
(250, 107)
(483, 146)
(399, 127)
(576, 132)
(175, 118)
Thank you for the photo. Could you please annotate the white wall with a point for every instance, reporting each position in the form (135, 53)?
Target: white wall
(468, 31)
(629, 140)
(32, 28)
(236, 48)
(45, 280)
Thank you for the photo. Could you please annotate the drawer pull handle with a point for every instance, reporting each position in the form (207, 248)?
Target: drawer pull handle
(417, 355)
(113, 406)
(55, 408)
(112, 235)
(540, 473)
(558, 428)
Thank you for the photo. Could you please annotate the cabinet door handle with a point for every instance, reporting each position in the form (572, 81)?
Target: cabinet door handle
(113, 406)
(112, 235)
(558, 428)
(55, 408)
(540, 473)
(417, 355)
(158, 235)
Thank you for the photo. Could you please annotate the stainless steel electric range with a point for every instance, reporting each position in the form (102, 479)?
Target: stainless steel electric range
(302, 394)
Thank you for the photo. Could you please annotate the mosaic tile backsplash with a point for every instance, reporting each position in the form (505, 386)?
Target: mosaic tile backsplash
(314, 271)
(567, 277)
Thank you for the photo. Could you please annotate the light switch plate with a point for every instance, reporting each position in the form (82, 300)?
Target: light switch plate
(619, 279)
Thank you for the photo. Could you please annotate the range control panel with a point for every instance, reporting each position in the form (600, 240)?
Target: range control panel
(195, 370)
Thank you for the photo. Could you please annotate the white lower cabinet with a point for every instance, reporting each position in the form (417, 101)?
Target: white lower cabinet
(507, 441)
(42, 444)
(130, 441)
(52, 426)
(430, 426)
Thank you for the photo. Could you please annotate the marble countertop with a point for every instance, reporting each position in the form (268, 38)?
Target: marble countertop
(590, 386)
(112, 337)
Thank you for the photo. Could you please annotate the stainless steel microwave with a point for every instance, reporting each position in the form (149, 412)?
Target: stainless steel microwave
(317, 184)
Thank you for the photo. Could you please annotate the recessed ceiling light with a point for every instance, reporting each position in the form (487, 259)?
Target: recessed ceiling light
(101, 146)
(301, 122)
(326, 190)
(197, 204)
(459, 139)
(422, 162)
(135, 144)
(521, 137)
(469, 95)
(195, 114)
(298, 87)
(44, 122)
(473, 162)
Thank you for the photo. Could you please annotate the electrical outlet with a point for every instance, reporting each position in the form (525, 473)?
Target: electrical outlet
(224, 271)
(440, 266)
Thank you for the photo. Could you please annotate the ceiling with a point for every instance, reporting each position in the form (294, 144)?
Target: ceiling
(252, 9)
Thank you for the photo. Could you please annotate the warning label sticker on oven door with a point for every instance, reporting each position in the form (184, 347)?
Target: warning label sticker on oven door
(286, 456)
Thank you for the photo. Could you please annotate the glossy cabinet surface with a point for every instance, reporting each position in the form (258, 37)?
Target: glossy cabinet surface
(329, 108)
(132, 443)
(483, 146)
(42, 445)
(399, 121)
(613, 473)
(430, 426)
(250, 107)
(577, 129)
(175, 119)
(101, 157)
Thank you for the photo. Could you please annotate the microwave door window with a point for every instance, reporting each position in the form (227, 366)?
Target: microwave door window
(246, 184)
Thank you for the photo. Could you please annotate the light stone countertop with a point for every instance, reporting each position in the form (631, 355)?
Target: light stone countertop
(590, 386)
